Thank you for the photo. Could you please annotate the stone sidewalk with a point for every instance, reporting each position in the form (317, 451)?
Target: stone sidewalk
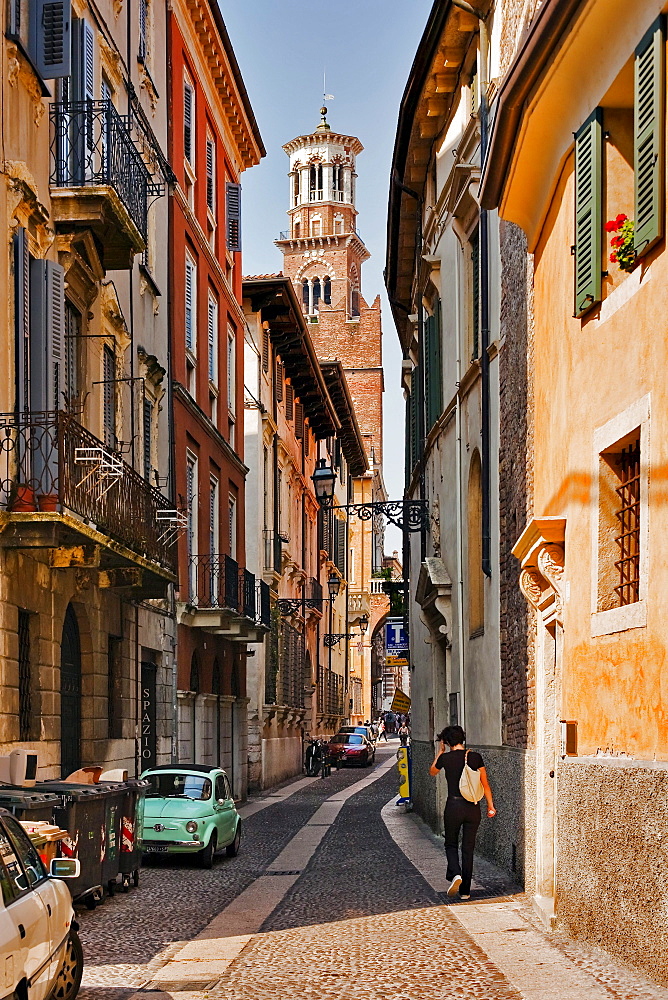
(352, 907)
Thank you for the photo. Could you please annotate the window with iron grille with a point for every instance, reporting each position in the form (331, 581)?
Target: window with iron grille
(621, 528)
(25, 678)
(114, 689)
(628, 519)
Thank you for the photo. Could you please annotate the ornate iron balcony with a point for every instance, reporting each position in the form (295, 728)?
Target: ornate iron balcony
(50, 463)
(92, 146)
(217, 583)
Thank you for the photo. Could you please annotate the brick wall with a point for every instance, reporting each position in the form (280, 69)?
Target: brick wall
(515, 486)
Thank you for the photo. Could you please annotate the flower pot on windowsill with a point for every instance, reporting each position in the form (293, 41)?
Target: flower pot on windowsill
(24, 499)
(47, 502)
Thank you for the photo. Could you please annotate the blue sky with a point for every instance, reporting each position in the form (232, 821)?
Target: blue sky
(366, 48)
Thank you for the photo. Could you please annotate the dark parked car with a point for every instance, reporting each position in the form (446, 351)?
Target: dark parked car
(364, 730)
(352, 748)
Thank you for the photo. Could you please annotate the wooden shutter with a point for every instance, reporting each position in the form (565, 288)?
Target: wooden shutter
(648, 138)
(433, 374)
(341, 546)
(22, 319)
(191, 282)
(588, 212)
(233, 216)
(88, 52)
(278, 380)
(299, 420)
(147, 421)
(188, 123)
(109, 397)
(428, 373)
(475, 293)
(265, 350)
(141, 53)
(212, 329)
(289, 402)
(50, 44)
(47, 319)
(413, 428)
(210, 175)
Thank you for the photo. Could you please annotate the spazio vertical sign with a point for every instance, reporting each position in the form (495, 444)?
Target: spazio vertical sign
(149, 716)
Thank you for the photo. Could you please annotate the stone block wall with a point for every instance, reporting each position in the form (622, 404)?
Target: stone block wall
(423, 786)
(507, 839)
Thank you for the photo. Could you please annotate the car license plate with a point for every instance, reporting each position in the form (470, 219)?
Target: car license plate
(156, 849)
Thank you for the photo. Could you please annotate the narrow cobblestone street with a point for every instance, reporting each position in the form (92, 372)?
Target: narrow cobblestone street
(335, 894)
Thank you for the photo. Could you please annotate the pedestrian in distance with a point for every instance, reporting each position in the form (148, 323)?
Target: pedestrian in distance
(381, 730)
(404, 733)
(461, 815)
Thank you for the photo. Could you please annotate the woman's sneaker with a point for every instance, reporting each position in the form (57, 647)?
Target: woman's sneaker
(464, 895)
(454, 885)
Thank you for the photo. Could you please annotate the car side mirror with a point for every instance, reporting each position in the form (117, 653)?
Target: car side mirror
(65, 868)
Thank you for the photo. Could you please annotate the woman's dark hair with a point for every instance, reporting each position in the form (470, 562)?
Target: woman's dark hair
(452, 735)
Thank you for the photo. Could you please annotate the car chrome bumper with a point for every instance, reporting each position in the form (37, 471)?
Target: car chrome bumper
(197, 844)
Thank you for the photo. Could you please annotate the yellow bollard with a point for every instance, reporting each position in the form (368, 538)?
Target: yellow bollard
(404, 768)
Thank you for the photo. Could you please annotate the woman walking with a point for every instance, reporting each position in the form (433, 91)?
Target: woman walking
(460, 814)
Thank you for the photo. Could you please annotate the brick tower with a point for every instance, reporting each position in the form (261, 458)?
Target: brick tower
(323, 255)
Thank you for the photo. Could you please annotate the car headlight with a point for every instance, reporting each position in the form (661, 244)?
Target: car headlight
(191, 826)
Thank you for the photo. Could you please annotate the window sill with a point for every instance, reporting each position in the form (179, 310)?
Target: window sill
(191, 358)
(150, 280)
(213, 389)
(619, 619)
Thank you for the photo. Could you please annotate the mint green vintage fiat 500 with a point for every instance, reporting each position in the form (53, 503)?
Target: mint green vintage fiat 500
(190, 810)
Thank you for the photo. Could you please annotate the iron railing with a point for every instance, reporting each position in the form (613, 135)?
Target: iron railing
(49, 462)
(91, 144)
(330, 693)
(284, 678)
(216, 581)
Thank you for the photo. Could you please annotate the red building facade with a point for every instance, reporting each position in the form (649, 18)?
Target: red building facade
(213, 139)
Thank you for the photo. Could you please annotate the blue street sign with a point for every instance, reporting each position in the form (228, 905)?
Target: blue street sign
(396, 640)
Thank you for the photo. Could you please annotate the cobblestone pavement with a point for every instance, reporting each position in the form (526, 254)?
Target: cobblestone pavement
(356, 921)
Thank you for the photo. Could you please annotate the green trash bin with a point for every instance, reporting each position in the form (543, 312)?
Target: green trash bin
(82, 811)
(117, 792)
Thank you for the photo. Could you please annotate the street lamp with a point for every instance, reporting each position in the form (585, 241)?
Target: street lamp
(334, 585)
(363, 623)
(323, 483)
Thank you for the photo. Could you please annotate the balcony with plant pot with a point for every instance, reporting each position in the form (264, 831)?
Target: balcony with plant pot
(62, 490)
(225, 599)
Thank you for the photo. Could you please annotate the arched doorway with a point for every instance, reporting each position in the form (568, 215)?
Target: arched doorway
(70, 695)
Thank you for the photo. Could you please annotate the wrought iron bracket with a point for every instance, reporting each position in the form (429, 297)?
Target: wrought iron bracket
(334, 638)
(293, 605)
(411, 515)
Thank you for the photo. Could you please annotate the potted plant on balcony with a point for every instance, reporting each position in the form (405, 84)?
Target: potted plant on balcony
(47, 502)
(622, 244)
(22, 499)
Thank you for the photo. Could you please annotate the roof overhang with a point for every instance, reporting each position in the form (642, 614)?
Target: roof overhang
(429, 100)
(275, 299)
(350, 434)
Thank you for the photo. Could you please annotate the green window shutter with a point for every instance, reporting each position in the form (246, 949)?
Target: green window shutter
(588, 212)
(475, 292)
(435, 388)
(414, 413)
(428, 371)
(648, 130)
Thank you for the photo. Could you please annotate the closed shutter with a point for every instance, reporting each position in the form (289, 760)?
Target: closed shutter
(50, 45)
(88, 61)
(188, 121)
(233, 216)
(212, 326)
(299, 420)
(475, 293)
(109, 397)
(22, 319)
(648, 138)
(413, 429)
(210, 175)
(433, 374)
(279, 381)
(265, 350)
(341, 547)
(588, 212)
(141, 53)
(47, 335)
(147, 421)
(191, 282)
(289, 402)
(428, 373)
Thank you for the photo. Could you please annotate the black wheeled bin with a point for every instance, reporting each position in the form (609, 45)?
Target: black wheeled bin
(113, 819)
(29, 803)
(132, 825)
(82, 811)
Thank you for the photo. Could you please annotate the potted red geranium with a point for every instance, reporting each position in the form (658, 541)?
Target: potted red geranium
(622, 245)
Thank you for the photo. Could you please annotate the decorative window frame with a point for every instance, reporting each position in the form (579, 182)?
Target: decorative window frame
(605, 437)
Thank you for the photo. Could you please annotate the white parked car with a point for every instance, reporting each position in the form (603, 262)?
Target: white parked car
(40, 952)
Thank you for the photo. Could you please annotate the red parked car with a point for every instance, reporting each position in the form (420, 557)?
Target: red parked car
(352, 748)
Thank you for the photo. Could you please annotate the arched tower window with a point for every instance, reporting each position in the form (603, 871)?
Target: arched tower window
(316, 294)
(337, 182)
(295, 187)
(327, 290)
(306, 294)
(315, 182)
(476, 579)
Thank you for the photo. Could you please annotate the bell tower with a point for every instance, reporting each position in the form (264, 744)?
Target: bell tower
(323, 252)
